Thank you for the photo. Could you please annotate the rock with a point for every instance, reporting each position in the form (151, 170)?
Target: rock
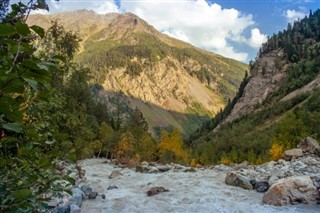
(316, 181)
(140, 169)
(75, 209)
(53, 203)
(235, 179)
(86, 189)
(93, 195)
(309, 145)
(190, 170)
(242, 165)
(292, 153)
(114, 174)
(153, 170)
(77, 197)
(144, 163)
(65, 208)
(163, 168)
(261, 186)
(103, 196)
(112, 187)
(292, 190)
(272, 180)
(222, 167)
(156, 190)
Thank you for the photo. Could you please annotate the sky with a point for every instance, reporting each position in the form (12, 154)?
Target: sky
(232, 28)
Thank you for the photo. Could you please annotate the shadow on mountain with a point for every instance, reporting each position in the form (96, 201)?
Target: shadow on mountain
(157, 117)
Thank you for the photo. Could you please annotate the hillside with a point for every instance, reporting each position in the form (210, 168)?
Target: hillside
(170, 81)
(276, 106)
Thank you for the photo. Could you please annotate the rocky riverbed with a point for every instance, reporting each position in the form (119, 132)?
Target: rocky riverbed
(198, 190)
(291, 185)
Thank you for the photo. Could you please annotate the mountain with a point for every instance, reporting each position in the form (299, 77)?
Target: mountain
(275, 107)
(133, 65)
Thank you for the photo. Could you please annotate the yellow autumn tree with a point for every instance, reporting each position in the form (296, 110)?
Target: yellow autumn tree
(124, 148)
(276, 151)
(171, 147)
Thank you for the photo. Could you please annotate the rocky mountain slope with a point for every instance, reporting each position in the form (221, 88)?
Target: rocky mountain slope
(276, 106)
(170, 81)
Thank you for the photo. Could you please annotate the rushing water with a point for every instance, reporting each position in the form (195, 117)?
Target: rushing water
(202, 191)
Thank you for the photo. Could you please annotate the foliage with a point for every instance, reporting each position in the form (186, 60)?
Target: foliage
(171, 148)
(26, 149)
(276, 151)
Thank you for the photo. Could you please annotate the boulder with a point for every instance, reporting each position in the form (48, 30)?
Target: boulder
(190, 170)
(242, 165)
(156, 190)
(141, 169)
(77, 197)
(75, 209)
(235, 179)
(112, 187)
(163, 168)
(292, 190)
(65, 208)
(272, 180)
(114, 174)
(261, 186)
(93, 195)
(86, 189)
(309, 145)
(103, 196)
(144, 163)
(292, 153)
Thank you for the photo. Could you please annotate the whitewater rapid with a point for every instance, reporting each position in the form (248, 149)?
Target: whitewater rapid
(201, 191)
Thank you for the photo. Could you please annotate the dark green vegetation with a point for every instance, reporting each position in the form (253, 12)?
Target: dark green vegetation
(49, 113)
(283, 123)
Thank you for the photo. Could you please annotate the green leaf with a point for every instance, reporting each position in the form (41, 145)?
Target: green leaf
(22, 194)
(32, 83)
(14, 86)
(38, 30)
(10, 108)
(15, 127)
(6, 30)
(22, 29)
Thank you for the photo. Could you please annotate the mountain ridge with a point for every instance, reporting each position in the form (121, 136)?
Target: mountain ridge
(127, 55)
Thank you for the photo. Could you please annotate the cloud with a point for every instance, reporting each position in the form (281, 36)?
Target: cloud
(256, 38)
(105, 7)
(205, 25)
(40, 11)
(293, 15)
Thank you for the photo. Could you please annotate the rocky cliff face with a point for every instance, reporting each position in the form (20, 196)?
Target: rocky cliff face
(170, 81)
(267, 75)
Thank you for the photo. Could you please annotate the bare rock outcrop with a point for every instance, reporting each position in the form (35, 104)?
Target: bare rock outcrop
(292, 190)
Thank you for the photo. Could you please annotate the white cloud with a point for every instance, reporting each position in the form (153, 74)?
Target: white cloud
(256, 38)
(205, 25)
(105, 7)
(40, 11)
(293, 15)
(178, 34)
(198, 22)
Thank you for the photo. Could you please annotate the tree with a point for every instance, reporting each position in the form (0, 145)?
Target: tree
(26, 158)
(107, 139)
(124, 148)
(171, 147)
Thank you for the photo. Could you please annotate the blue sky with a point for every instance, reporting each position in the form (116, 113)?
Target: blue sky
(232, 28)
